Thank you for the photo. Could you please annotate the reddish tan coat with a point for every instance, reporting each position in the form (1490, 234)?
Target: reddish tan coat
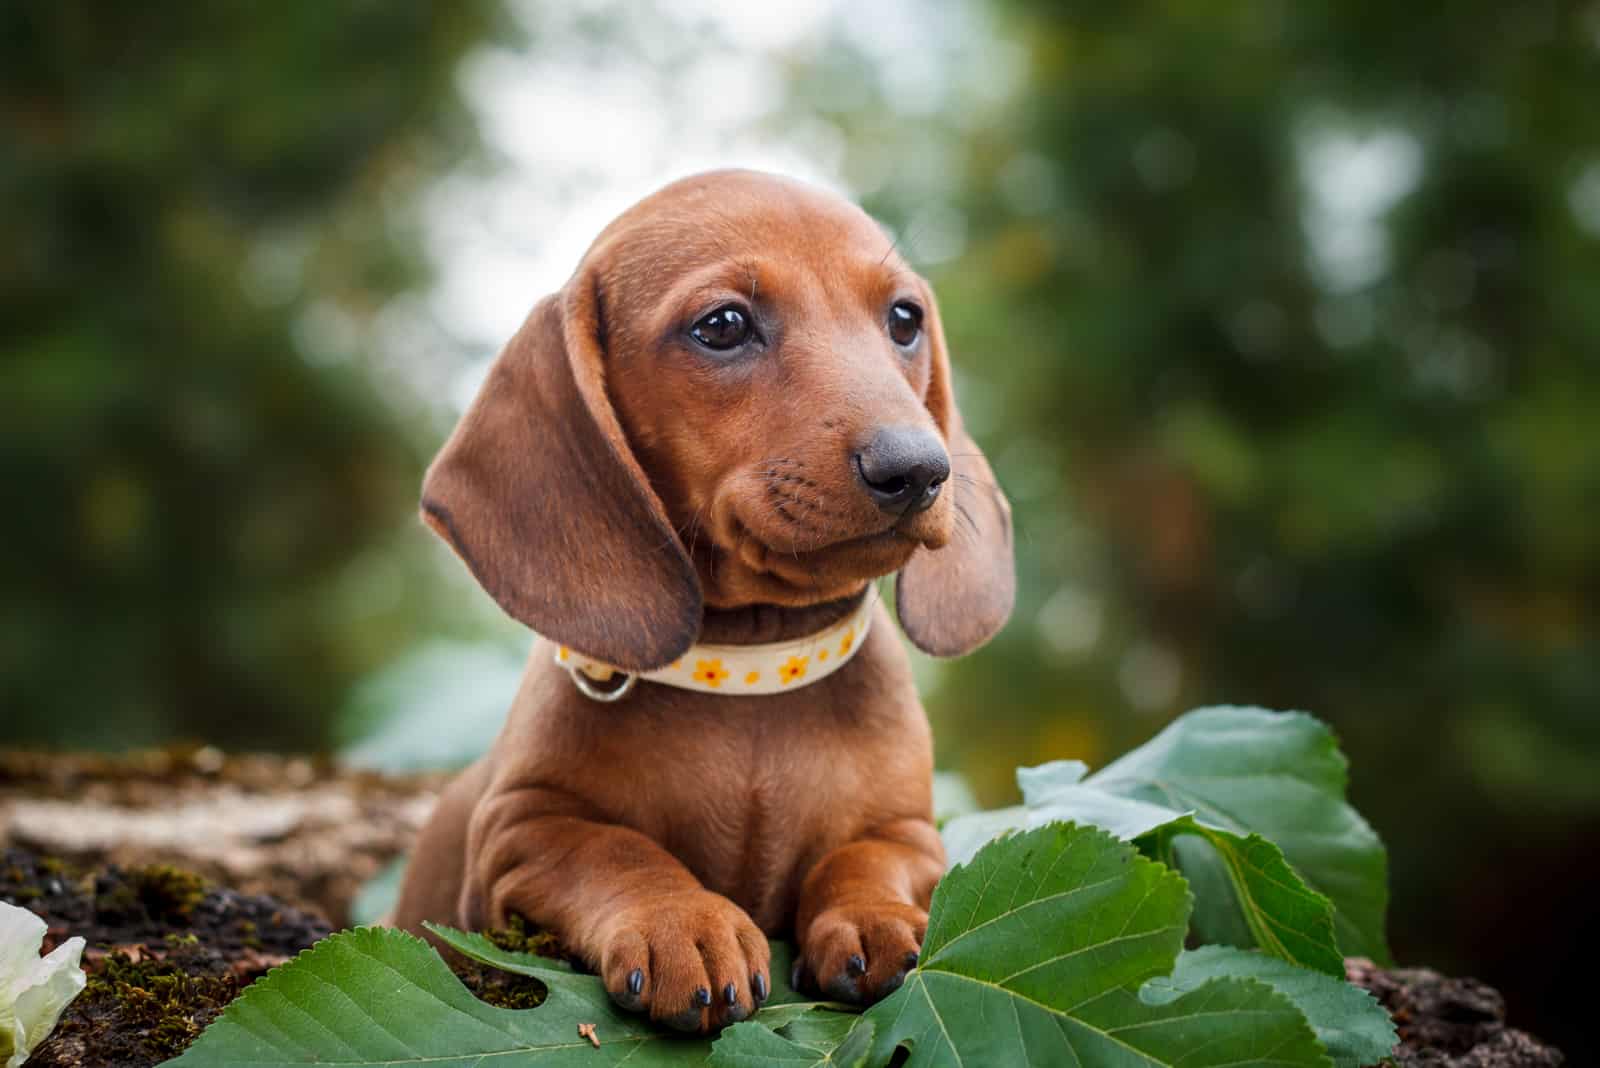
(626, 493)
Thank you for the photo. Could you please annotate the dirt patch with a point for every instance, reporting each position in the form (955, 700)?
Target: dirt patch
(167, 951)
(1449, 1023)
(306, 832)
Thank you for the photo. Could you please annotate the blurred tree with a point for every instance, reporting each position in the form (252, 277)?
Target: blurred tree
(205, 204)
(1280, 322)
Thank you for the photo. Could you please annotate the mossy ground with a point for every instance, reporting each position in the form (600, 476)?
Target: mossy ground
(502, 988)
(142, 1006)
(167, 951)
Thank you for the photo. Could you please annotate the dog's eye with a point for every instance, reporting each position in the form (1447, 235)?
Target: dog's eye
(905, 324)
(726, 328)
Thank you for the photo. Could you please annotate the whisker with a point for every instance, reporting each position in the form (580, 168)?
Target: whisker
(694, 529)
(962, 513)
(991, 487)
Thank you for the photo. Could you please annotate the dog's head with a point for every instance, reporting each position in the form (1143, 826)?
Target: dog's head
(741, 396)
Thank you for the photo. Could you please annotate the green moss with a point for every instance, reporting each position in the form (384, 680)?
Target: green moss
(507, 990)
(159, 892)
(520, 937)
(167, 891)
(146, 1010)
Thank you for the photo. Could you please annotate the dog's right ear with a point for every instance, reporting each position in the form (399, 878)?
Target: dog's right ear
(539, 493)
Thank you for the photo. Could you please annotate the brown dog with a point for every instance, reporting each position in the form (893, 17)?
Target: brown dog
(734, 416)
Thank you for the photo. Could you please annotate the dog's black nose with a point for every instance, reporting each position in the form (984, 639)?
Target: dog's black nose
(903, 468)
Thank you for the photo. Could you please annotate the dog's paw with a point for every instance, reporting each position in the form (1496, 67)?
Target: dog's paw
(860, 953)
(694, 961)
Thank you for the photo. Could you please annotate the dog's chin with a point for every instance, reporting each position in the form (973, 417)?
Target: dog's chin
(815, 573)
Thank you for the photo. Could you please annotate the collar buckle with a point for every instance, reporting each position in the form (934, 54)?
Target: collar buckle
(587, 687)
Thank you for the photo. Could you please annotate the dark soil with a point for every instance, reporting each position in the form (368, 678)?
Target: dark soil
(1449, 1023)
(167, 951)
(117, 907)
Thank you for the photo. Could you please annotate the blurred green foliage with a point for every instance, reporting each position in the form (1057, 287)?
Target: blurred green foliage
(1281, 323)
(202, 204)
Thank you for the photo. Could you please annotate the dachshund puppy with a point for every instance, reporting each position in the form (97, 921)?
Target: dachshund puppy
(700, 453)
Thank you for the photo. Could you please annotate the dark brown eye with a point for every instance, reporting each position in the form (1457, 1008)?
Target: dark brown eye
(726, 328)
(905, 324)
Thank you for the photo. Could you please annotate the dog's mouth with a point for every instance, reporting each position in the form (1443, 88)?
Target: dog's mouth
(820, 567)
(803, 542)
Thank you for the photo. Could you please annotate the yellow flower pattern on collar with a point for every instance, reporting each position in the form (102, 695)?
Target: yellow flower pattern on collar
(750, 669)
(792, 669)
(711, 672)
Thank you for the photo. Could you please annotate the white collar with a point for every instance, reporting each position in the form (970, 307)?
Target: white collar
(737, 669)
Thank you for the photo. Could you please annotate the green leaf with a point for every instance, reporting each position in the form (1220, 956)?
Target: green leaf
(1246, 893)
(812, 1041)
(1348, 1021)
(1279, 775)
(373, 996)
(1283, 916)
(790, 1029)
(1250, 805)
(784, 1003)
(1035, 954)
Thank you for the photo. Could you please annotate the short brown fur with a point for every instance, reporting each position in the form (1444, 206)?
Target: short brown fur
(626, 493)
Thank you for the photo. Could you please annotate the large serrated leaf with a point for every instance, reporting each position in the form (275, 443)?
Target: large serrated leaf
(1279, 775)
(1035, 954)
(1250, 804)
(1282, 915)
(816, 1040)
(1348, 1021)
(784, 1004)
(372, 996)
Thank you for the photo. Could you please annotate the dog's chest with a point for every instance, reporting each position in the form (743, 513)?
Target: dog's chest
(749, 793)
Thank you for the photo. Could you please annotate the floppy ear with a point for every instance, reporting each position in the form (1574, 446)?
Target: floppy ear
(539, 493)
(953, 599)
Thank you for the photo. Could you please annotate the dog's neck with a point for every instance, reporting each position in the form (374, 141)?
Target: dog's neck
(757, 624)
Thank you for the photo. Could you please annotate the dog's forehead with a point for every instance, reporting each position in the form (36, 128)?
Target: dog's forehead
(728, 214)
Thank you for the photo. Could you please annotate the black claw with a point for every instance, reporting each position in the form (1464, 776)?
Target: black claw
(636, 981)
(794, 975)
(730, 994)
(702, 997)
(758, 983)
(856, 965)
(911, 959)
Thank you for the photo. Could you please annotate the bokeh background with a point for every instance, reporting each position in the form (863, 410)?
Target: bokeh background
(1280, 323)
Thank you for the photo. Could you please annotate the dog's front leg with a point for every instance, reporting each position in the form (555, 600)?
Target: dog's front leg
(661, 941)
(864, 909)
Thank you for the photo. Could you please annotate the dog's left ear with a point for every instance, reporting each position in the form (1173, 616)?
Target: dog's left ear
(953, 599)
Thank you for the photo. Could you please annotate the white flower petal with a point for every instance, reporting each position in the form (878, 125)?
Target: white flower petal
(21, 935)
(33, 992)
